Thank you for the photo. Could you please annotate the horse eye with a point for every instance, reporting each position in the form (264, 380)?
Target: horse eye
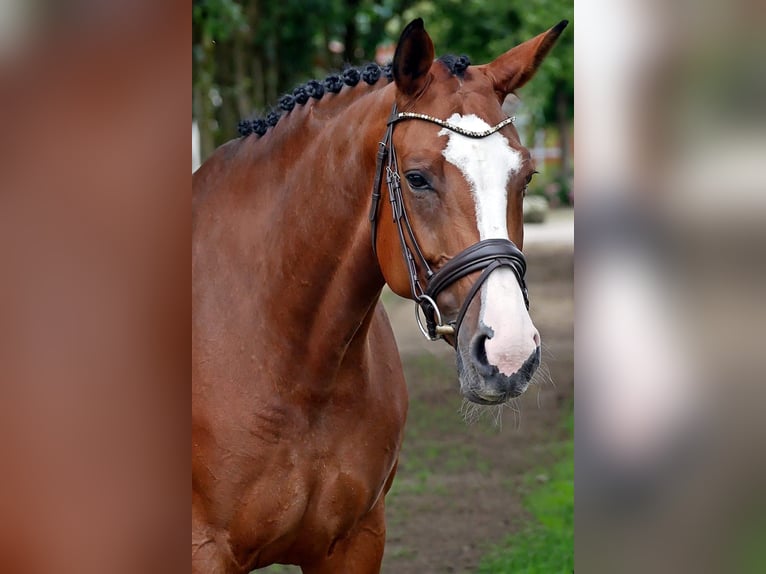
(417, 181)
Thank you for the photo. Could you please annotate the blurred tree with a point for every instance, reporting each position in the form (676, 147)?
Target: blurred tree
(245, 53)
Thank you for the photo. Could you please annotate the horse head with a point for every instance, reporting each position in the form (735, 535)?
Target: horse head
(450, 234)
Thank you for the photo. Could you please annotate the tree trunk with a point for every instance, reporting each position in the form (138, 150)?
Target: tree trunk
(205, 111)
(259, 86)
(350, 40)
(253, 51)
(226, 111)
(325, 54)
(272, 66)
(242, 82)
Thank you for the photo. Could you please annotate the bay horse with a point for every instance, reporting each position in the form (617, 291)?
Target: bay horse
(298, 395)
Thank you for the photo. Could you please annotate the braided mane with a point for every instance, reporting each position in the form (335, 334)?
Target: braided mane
(351, 76)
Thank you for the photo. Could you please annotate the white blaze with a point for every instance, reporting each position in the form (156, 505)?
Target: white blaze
(486, 163)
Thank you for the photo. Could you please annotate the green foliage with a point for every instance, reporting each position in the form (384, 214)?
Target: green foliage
(748, 552)
(218, 19)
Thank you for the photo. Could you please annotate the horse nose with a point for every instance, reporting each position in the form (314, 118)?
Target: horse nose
(508, 381)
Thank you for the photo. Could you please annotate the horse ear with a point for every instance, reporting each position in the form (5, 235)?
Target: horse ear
(517, 66)
(413, 58)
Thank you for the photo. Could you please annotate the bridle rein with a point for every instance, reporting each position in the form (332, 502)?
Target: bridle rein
(486, 256)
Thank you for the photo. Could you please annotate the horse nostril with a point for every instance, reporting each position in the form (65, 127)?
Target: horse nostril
(479, 354)
(536, 338)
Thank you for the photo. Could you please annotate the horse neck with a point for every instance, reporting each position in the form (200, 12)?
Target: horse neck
(317, 278)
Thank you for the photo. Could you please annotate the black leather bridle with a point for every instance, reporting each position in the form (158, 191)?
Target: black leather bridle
(485, 256)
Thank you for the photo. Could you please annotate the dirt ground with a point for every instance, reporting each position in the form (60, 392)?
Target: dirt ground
(459, 487)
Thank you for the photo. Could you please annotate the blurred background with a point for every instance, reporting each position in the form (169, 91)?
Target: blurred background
(671, 228)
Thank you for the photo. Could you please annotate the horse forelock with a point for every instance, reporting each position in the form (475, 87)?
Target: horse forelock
(456, 65)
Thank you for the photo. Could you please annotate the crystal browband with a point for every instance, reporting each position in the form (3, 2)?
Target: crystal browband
(457, 129)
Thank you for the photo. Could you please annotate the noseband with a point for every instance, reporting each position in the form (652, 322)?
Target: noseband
(485, 256)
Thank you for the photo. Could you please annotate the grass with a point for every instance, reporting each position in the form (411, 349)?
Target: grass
(279, 569)
(545, 546)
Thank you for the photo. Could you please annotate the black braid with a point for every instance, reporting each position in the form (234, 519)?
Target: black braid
(351, 76)
(333, 83)
(456, 64)
(315, 89)
(259, 126)
(272, 118)
(301, 95)
(371, 73)
(244, 127)
(461, 64)
(287, 102)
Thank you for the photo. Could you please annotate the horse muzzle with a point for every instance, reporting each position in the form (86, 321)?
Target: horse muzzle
(498, 347)
(483, 383)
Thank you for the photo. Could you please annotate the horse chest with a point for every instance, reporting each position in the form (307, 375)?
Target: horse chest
(316, 501)
(348, 470)
(343, 492)
(316, 481)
